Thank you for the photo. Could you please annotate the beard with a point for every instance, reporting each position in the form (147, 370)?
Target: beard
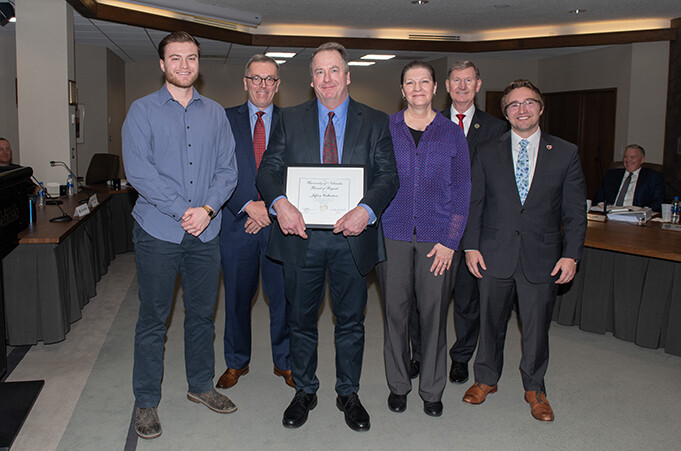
(181, 82)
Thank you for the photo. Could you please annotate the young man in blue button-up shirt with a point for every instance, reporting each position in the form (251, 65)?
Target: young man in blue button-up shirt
(178, 151)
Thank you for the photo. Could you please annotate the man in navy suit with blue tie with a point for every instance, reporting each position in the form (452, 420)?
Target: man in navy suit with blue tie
(246, 228)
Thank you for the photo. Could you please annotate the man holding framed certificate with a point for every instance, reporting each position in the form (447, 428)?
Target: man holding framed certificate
(334, 131)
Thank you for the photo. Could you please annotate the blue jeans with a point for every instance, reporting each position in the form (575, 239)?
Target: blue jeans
(158, 263)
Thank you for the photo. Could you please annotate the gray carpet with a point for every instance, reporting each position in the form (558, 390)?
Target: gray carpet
(607, 395)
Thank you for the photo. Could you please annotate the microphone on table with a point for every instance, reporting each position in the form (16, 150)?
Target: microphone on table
(75, 177)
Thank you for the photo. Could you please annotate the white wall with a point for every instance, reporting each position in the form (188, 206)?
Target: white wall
(91, 74)
(648, 98)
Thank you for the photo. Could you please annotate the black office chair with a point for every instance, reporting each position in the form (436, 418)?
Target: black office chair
(103, 167)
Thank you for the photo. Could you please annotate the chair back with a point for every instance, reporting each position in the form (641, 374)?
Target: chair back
(103, 167)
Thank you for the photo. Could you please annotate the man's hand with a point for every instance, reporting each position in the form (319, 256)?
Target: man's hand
(257, 212)
(195, 220)
(289, 218)
(475, 262)
(250, 226)
(567, 268)
(443, 259)
(353, 222)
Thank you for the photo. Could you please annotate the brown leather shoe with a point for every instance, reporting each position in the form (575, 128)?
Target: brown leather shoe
(541, 410)
(478, 393)
(286, 374)
(230, 377)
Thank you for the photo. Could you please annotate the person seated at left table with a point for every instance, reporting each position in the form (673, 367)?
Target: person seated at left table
(6, 156)
(633, 184)
(7, 165)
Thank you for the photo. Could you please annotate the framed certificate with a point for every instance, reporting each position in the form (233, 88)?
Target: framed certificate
(324, 193)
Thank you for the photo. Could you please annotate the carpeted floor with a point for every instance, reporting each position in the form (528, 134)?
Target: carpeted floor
(607, 394)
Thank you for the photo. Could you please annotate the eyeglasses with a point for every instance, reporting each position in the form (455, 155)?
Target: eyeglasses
(257, 80)
(528, 103)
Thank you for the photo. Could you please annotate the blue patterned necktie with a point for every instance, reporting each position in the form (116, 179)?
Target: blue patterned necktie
(522, 171)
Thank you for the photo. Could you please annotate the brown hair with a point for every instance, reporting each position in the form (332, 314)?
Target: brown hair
(516, 84)
(176, 36)
(415, 64)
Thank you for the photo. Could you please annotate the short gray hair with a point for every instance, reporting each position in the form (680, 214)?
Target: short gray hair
(629, 146)
(333, 46)
(260, 58)
(461, 65)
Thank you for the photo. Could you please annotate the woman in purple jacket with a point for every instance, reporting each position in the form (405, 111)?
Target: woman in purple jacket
(422, 227)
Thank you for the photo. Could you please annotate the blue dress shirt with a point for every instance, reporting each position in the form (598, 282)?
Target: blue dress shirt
(177, 158)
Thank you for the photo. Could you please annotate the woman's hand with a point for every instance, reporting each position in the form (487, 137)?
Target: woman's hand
(443, 259)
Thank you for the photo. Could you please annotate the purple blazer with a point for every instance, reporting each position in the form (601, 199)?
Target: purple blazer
(435, 183)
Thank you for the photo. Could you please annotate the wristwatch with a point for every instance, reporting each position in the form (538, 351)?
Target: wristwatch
(210, 211)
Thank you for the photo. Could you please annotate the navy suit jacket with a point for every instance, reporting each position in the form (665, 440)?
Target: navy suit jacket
(233, 218)
(550, 224)
(649, 190)
(295, 140)
(483, 127)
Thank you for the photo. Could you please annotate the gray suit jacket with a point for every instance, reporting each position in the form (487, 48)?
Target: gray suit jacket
(295, 140)
(550, 225)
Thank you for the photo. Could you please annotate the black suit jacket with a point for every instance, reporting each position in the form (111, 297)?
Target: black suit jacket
(550, 225)
(484, 126)
(295, 140)
(233, 219)
(649, 190)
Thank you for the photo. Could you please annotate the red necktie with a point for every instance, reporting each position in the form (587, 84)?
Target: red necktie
(259, 139)
(330, 152)
(461, 116)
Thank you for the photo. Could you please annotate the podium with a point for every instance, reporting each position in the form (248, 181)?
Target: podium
(16, 398)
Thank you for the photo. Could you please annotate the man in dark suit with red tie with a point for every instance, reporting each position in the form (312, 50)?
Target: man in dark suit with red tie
(524, 236)
(330, 129)
(246, 228)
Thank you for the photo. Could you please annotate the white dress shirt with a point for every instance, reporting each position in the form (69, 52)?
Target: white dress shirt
(467, 120)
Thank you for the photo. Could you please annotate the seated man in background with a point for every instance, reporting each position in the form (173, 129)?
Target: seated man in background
(632, 184)
(6, 156)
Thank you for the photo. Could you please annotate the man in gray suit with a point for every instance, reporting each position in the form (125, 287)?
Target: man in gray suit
(524, 236)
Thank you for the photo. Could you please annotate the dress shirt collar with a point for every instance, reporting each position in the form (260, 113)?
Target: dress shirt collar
(467, 120)
(340, 113)
(165, 95)
(253, 110)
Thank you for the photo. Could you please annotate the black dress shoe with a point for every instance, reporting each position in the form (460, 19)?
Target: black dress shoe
(356, 416)
(397, 403)
(433, 409)
(295, 414)
(459, 372)
(414, 369)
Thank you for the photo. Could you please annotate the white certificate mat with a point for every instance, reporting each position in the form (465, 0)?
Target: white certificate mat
(324, 193)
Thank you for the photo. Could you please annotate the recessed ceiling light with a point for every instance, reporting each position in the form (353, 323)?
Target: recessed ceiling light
(578, 11)
(361, 63)
(419, 2)
(280, 54)
(280, 61)
(375, 57)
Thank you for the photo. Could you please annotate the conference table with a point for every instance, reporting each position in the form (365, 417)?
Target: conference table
(628, 283)
(51, 275)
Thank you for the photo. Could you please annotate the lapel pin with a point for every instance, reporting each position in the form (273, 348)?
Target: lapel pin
(477, 125)
(549, 146)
